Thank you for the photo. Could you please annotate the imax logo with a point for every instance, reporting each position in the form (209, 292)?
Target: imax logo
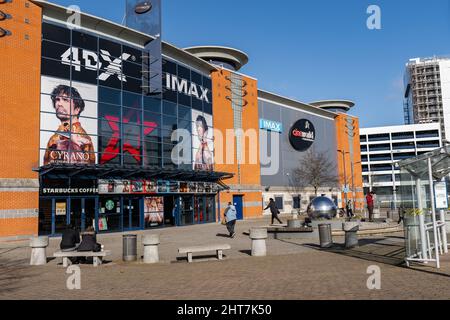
(270, 125)
(88, 59)
(188, 88)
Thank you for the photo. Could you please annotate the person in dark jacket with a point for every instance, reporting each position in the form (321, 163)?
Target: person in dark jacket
(274, 210)
(89, 241)
(70, 239)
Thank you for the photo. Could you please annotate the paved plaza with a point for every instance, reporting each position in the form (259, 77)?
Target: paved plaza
(292, 270)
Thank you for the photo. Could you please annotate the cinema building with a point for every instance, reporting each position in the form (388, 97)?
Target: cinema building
(107, 125)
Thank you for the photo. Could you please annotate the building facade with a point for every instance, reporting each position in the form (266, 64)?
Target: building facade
(124, 131)
(383, 147)
(427, 92)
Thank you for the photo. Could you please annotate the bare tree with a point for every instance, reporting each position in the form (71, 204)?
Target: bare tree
(316, 170)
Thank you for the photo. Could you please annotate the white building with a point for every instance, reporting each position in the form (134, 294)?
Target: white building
(427, 92)
(382, 147)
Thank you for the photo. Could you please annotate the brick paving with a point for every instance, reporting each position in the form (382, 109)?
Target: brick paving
(293, 269)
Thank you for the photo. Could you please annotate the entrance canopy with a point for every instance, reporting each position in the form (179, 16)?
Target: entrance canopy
(65, 171)
(418, 166)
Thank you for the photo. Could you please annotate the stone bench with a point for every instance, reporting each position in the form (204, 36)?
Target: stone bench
(211, 247)
(74, 254)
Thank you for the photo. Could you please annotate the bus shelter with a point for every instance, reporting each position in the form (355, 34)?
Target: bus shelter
(424, 208)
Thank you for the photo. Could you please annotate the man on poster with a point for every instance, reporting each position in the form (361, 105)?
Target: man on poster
(70, 143)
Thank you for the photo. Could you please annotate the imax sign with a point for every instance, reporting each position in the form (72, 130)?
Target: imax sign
(186, 87)
(270, 125)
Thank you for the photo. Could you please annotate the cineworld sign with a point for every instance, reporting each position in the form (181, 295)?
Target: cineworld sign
(188, 88)
(90, 60)
(270, 125)
(302, 135)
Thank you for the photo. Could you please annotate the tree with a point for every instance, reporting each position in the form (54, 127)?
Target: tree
(316, 170)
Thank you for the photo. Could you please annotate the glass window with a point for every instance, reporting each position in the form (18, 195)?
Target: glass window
(136, 54)
(55, 33)
(85, 41)
(184, 113)
(54, 50)
(131, 116)
(279, 203)
(169, 67)
(109, 96)
(109, 112)
(152, 119)
(169, 123)
(132, 70)
(133, 85)
(184, 73)
(55, 68)
(169, 108)
(152, 105)
(113, 49)
(296, 200)
(132, 100)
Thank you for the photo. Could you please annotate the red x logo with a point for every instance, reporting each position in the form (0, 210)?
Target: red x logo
(112, 150)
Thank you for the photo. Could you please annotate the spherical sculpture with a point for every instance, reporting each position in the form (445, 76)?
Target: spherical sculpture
(322, 208)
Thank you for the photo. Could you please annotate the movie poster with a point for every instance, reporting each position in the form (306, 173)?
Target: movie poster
(202, 141)
(153, 211)
(68, 122)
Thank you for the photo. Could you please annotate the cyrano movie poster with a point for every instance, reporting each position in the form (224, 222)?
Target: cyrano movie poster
(68, 122)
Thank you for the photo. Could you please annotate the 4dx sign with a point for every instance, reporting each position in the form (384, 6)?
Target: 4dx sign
(90, 60)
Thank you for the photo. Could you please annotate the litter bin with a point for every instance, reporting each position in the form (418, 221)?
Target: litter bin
(130, 247)
(325, 237)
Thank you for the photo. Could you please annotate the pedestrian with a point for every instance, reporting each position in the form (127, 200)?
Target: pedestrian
(175, 213)
(274, 210)
(349, 209)
(231, 217)
(370, 200)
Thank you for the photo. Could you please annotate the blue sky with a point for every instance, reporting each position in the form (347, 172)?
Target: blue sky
(312, 50)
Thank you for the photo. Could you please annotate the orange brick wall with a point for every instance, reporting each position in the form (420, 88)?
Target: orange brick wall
(250, 174)
(19, 119)
(343, 144)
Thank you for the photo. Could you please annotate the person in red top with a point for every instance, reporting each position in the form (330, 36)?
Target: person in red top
(369, 200)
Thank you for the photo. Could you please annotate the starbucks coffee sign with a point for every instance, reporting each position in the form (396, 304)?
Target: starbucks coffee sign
(302, 135)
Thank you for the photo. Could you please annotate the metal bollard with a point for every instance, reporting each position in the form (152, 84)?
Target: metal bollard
(151, 253)
(258, 236)
(325, 236)
(38, 251)
(129, 247)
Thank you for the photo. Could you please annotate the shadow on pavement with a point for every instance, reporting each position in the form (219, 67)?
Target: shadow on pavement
(248, 252)
(223, 235)
(13, 274)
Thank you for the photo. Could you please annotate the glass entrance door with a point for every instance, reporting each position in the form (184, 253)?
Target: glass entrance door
(131, 213)
(187, 210)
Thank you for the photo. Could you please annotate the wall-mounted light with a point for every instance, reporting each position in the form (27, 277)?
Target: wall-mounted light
(4, 16)
(4, 32)
(143, 7)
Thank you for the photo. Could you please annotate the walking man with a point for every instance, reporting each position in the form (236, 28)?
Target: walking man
(369, 200)
(274, 210)
(231, 217)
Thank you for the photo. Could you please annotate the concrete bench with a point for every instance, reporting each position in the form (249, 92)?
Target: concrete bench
(211, 247)
(72, 254)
